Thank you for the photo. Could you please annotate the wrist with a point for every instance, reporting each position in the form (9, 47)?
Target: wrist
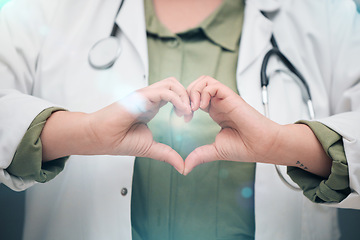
(298, 146)
(66, 133)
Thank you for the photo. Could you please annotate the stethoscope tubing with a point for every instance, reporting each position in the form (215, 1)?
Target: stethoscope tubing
(275, 51)
(116, 53)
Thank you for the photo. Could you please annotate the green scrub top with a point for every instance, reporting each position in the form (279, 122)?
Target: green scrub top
(215, 201)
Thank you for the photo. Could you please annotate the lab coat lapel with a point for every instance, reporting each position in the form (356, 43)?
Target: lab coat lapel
(256, 33)
(255, 41)
(131, 21)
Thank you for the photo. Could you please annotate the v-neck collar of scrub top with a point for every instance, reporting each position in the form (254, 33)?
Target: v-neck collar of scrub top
(212, 26)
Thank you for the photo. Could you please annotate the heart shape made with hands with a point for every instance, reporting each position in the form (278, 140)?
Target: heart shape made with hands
(241, 125)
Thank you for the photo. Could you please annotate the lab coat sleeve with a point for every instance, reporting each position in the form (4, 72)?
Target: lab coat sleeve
(23, 25)
(27, 162)
(344, 89)
(335, 188)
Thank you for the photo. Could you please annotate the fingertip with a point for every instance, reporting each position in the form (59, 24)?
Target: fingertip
(187, 169)
(188, 118)
(192, 106)
(177, 112)
(203, 104)
(189, 164)
(181, 171)
(177, 167)
(188, 108)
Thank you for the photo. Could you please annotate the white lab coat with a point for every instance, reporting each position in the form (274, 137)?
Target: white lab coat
(43, 63)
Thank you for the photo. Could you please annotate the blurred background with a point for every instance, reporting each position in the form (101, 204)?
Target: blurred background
(12, 208)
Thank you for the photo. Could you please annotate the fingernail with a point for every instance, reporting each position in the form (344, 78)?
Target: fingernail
(181, 172)
(201, 103)
(192, 106)
(187, 107)
(185, 172)
(187, 118)
(189, 110)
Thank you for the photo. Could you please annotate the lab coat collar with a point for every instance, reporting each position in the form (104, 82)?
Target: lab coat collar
(257, 31)
(131, 21)
(266, 5)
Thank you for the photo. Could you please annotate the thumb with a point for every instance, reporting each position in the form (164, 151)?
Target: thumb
(165, 153)
(200, 155)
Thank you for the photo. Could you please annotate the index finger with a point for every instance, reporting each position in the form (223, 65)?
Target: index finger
(174, 85)
(196, 88)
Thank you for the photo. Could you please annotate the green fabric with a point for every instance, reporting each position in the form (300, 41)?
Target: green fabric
(27, 162)
(215, 201)
(336, 187)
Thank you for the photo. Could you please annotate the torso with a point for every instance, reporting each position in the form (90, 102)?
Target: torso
(209, 203)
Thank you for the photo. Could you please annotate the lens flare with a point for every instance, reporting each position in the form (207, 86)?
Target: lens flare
(3, 2)
(246, 192)
(135, 103)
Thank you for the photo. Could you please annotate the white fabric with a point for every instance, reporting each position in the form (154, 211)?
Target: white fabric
(43, 53)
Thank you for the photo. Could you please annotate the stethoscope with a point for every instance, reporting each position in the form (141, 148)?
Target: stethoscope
(104, 53)
(296, 75)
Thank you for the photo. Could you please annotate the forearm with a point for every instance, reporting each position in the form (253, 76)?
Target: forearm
(298, 146)
(66, 133)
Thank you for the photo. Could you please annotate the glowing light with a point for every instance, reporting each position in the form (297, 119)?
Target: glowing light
(178, 138)
(112, 84)
(134, 103)
(246, 192)
(3, 2)
(176, 122)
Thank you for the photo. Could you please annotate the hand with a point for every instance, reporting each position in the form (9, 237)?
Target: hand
(248, 136)
(118, 129)
(121, 128)
(245, 134)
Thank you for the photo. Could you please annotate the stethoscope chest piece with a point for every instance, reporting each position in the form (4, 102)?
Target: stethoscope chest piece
(104, 53)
